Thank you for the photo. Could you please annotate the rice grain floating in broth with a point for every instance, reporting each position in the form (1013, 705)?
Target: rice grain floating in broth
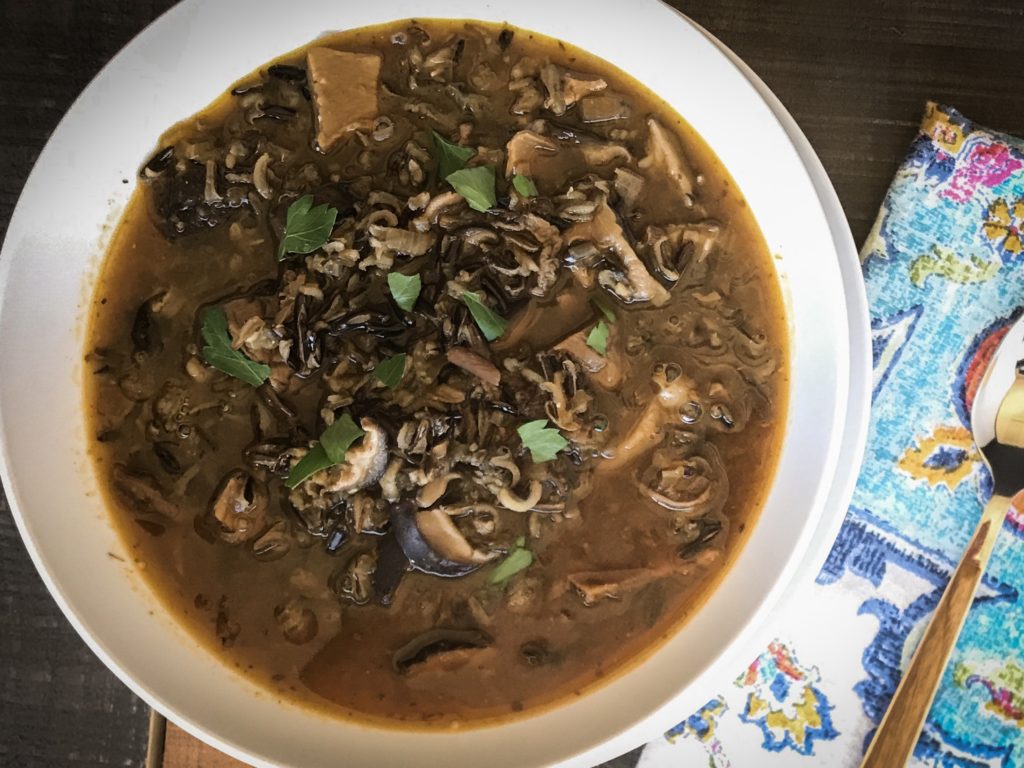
(436, 372)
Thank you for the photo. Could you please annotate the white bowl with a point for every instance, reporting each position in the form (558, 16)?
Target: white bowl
(50, 257)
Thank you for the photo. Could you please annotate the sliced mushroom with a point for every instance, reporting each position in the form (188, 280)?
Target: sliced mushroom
(637, 284)
(364, 463)
(567, 400)
(145, 331)
(566, 87)
(354, 580)
(446, 539)
(597, 153)
(603, 108)
(240, 507)
(144, 491)
(245, 319)
(726, 397)
(604, 370)
(629, 185)
(549, 162)
(181, 204)
(261, 177)
(274, 544)
(389, 480)
(435, 643)
(273, 456)
(570, 311)
(664, 158)
(693, 483)
(547, 257)
(431, 542)
(594, 586)
(509, 500)
(647, 431)
(434, 489)
(699, 533)
(437, 206)
(530, 96)
(369, 515)
(401, 241)
(674, 247)
(473, 363)
(529, 153)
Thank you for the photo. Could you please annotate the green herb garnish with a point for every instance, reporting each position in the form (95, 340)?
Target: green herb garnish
(338, 437)
(524, 185)
(476, 185)
(603, 307)
(306, 228)
(391, 370)
(519, 559)
(542, 441)
(219, 353)
(308, 466)
(405, 289)
(450, 157)
(491, 324)
(334, 443)
(597, 339)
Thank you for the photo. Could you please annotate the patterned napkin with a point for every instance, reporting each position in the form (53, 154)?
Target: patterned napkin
(944, 266)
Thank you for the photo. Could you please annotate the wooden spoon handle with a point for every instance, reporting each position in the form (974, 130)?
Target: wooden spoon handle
(899, 730)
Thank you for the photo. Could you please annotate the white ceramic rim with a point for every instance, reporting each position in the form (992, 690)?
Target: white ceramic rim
(581, 733)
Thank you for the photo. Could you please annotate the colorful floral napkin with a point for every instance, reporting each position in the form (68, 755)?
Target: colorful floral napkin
(944, 267)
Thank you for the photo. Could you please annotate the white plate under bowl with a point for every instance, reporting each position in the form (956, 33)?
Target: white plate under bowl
(50, 257)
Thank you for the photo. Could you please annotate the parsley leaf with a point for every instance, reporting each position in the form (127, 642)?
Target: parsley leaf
(306, 228)
(450, 157)
(604, 306)
(490, 322)
(391, 370)
(334, 443)
(219, 353)
(524, 185)
(308, 466)
(519, 559)
(597, 339)
(543, 442)
(405, 289)
(339, 437)
(476, 185)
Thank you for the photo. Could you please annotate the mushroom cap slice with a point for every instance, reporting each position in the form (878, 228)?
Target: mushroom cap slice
(240, 507)
(664, 157)
(605, 231)
(594, 586)
(437, 642)
(364, 463)
(423, 537)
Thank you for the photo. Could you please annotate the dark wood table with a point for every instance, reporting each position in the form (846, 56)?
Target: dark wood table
(855, 75)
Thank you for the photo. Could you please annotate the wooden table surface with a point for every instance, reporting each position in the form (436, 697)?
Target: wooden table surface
(855, 75)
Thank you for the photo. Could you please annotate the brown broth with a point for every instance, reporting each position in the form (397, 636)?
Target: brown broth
(346, 669)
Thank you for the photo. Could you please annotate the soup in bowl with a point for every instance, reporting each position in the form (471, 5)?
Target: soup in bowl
(436, 371)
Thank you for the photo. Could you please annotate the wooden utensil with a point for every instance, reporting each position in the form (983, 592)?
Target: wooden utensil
(171, 747)
(997, 421)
